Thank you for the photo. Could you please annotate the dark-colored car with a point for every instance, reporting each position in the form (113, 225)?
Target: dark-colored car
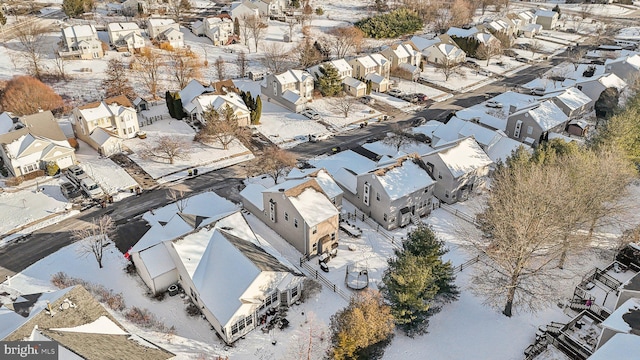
(422, 97)
(69, 190)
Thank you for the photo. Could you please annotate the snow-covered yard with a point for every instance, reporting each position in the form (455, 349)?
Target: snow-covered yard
(330, 113)
(200, 155)
(412, 87)
(109, 175)
(395, 102)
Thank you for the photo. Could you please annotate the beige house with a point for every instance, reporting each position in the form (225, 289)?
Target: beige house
(125, 35)
(218, 29)
(533, 124)
(116, 119)
(354, 87)
(204, 102)
(341, 65)
(459, 168)
(165, 30)
(81, 42)
(291, 89)
(404, 56)
(35, 141)
(298, 210)
(370, 64)
(72, 324)
(441, 49)
(548, 19)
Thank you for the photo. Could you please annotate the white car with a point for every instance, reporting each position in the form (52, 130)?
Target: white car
(311, 114)
(493, 104)
(394, 92)
(92, 189)
(319, 137)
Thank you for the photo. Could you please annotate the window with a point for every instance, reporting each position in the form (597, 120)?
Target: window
(333, 200)
(365, 196)
(30, 168)
(286, 216)
(241, 325)
(234, 329)
(314, 230)
(275, 88)
(529, 130)
(294, 292)
(249, 320)
(516, 132)
(384, 217)
(193, 295)
(446, 194)
(295, 222)
(439, 175)
(377, 196)
(333, 236)
(272, 210)
(315, 245)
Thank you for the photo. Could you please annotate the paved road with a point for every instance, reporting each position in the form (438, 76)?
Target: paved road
(19, 255)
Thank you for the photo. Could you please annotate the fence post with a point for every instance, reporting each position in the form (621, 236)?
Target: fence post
(316, 273)
(334, 287)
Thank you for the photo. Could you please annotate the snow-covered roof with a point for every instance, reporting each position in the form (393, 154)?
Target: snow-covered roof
(546, 13)
(102, 109)
(168, 222)
(130, 26)
(610, 80)
(344, 167)
(464, 157)
(633, 60)
(32, 147)
(293, 76)
(619, 347)
(353, 82)
(77, 31)
(620, 321)
(427, 129)
(24, 309)
(532, 27)
(547, 114)
(313, 206)
(341, 64)
(292, 96)
(253, 194)
(450, 51)
(423, 43)
(375, 78)
(573, 98)
(217, 102)
(157, 260)
(389, 150)
(503, 148)
(101, 136)
(328, 184)
(193, 89)
(460, 32)
(475, 114)
(6, 123)
(400, 180)
(160, 22)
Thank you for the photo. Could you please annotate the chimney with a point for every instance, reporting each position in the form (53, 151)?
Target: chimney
(512, 109)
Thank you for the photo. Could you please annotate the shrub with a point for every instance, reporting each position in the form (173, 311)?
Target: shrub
(159, 296)
(166, 46)
(310, 288)
(25, 95)
(319, 11)
(393, 24)
(193, 310)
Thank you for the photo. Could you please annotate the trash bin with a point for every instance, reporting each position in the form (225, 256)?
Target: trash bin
(195, 172)
(173, 290)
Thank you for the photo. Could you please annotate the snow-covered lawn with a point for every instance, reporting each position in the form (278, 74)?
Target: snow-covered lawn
(395, 102)
(412, 87)
(464, 78)
(28, 205)
(200, 155)
(113, 179)
(359, 112)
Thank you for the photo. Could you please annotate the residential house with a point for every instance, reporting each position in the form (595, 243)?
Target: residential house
(73, 324)
(594, 86)
(218, 29)
(578, 127)
(548, 19)
(134, 7)
(354, 87)
(291, 89)
(527, 17)
(324, 179)
(165, 30)
(141, 104)
(202, 103)
(378, 82)
(270, 8)
(370, 64)
(533, 124)
(572, 101)
(343, 67)
(206, 237)
(503, 25)
(7, 123)
(459, 168)
(440, 49)
(622, 321)
(405, 58)
(81, 42)
(299, 210)
(116, 118)
(479, 33)
(125, 35)
(529, 30)
(33, 142)
(618, 347)
(243, 9)
(626, 67)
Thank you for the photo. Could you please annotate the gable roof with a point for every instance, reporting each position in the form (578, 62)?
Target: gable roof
(85, 328)
(464, 157)
(573, 98)
(123, 26)
(6, 123)
(217, 102)
(322, 177)
(422, 43)
(313, 206)
(293, 76)
(193, 89)
(76, 31)
(403, 177)
(546, 13)
(546, 114)
(618, 348)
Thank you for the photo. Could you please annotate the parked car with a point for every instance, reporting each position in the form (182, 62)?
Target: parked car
(395, 92)
(422, 97)
(419, 121)
(472, 64)
(493, 104)
(76, 174)
(537, 91)
(367, 100)
(483, 73)
(319, 137)
(91, 189)
(69, 190)
(522, 59)
(311, 114)
(409, 97)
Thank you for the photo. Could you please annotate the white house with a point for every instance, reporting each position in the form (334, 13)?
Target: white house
(625, 67)
(82, 42)
(271, 7)
(440, 49)
(341, 65)
(205, 237)
(196, 108)
(370, 64)
(165, 30)
(218, 29)
(243, 9)
(548, 19)
(125, 35)
(291, 89)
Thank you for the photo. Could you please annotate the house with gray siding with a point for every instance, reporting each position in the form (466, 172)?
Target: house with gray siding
(299, 210)
(533, 124)
(291, 89)
(459, 168)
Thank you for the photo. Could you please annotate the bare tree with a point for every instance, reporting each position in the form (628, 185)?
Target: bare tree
(31, 34)
(220, 68)
(489, 51)
(273, 162)
(116, 81)
(308, 55)
(399, 136)
(185, 66)
(345, 40)
(177, 197)
(257, 29)
(60, 64)
(276, 58)
(461, 13)
(222, 126)
(167, 148)
(94, 238)
(242, 63)
(177, 8)
(311, 340)
(291, 22)
(449, 67)
(575, 55)
(245, 29)
(535, 47)
(344, 104)
(148, 65)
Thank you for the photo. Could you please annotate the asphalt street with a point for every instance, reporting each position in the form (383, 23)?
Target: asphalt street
(18, 255)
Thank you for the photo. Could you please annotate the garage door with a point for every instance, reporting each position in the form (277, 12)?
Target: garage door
(65, 162)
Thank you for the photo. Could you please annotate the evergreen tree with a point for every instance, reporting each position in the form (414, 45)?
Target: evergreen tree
(557, 9)
(73, 8)
(369, 84)
(418, 281)
(257, 113)
(177, 106)
(329, 82)
(236, 27)
(295, 4)
(3, 19)
(169, 100)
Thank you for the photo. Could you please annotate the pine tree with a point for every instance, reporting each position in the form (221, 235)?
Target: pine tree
(177, 106)
(169, 100)
(329, 82)
(3, 19)
(257, 113)
(418, 281)
(236, 27)
(369, 86)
